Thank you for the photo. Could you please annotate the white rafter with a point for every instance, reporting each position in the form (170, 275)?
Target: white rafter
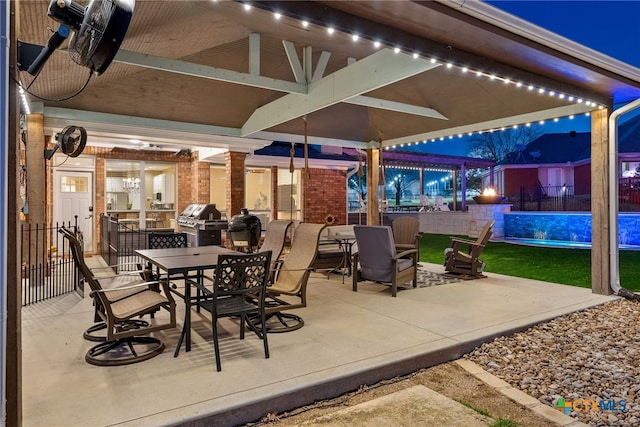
(383, 104)
(203, 71)
(377, 70)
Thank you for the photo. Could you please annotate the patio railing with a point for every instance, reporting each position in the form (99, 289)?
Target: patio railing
(47, 269)
(119, 242)
(550, 198)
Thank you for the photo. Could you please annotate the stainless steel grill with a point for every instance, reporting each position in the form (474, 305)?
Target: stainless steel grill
(203, 224)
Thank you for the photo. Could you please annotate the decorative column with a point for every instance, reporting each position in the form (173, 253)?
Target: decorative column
(463, 186)
(234, 165)
(601, 218)
(274, 193)
(373, 180)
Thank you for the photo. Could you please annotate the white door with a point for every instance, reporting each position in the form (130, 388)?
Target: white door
(73, 195)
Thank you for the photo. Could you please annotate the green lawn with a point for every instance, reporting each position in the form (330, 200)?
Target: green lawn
(557, 265)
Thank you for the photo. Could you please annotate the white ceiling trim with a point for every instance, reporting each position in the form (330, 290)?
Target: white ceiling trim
(120, 129)
(377, 70)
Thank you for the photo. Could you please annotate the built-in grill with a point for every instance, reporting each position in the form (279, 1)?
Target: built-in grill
(203, 224)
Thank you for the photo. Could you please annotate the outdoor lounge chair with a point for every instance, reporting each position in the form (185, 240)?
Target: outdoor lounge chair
(379, 261)
(239, 287)
(120, 309)
(274, 239)
(406, 233)
(463, 257)
(289, 287)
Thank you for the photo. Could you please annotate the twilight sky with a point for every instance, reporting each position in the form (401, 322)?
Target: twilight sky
(611, 27)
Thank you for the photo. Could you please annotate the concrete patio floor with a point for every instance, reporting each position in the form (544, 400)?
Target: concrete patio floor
(348, 339)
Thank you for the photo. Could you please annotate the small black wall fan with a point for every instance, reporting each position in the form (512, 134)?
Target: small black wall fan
(71, 140)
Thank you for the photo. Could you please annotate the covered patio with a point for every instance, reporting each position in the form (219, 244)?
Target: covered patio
(238, 76)
(349, 339)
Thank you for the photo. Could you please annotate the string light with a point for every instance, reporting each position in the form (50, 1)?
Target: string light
(25, 101)
(463, 68)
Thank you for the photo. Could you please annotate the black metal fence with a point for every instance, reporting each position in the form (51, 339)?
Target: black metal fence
(119, 242)
(550, 198)
(47, 268)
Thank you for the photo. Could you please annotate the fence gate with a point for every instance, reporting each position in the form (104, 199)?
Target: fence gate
(47, 268)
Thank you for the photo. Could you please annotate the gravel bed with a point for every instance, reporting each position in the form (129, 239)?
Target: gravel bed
(588, 358)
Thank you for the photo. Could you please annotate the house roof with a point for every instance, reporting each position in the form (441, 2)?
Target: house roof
(571, 147)
(566, 147)
(212, 74)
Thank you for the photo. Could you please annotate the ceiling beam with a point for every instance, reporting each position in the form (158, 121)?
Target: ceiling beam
(521, 119)
(122, 128)
(203, 71)
(367, 101)
(294, 61)
(377, 70)
(321, 66)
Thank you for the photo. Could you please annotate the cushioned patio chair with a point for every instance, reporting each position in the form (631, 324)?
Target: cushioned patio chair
(274, 239)
(289, 287)
(463, 257)
(406, 233)
(239, 287)
(120, 309)
(378, 261)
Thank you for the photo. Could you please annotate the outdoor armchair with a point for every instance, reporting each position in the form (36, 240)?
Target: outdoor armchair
(288, 290)
(406, 233)
(463, 257)
(162, 241)
(239, 287)
(120, 309)
(274, 239)
(378, 261)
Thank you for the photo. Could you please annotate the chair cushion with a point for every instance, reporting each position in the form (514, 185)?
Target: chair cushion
(404, 264)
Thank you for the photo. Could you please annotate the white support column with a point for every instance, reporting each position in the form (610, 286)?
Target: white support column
(4, 128)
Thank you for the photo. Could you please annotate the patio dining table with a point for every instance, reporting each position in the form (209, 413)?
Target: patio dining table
(185, 261)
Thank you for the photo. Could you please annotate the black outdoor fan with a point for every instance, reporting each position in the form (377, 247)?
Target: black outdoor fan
(72, 140)
(98, 32)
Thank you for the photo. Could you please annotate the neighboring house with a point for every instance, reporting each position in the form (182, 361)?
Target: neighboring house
(555, 160)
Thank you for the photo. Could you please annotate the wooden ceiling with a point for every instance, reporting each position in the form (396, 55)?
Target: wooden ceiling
(212, 74)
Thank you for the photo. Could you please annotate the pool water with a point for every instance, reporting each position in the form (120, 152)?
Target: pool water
(565, 229)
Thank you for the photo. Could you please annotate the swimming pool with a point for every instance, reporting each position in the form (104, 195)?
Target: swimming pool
(565, 229)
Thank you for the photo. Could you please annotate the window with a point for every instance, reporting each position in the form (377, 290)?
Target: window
(142, 194)
(258, 194)
(74, 184)
(289, 195)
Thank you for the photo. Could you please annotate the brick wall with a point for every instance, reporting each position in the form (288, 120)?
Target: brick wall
(234, 167)
(188, 192)
(325, 192)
